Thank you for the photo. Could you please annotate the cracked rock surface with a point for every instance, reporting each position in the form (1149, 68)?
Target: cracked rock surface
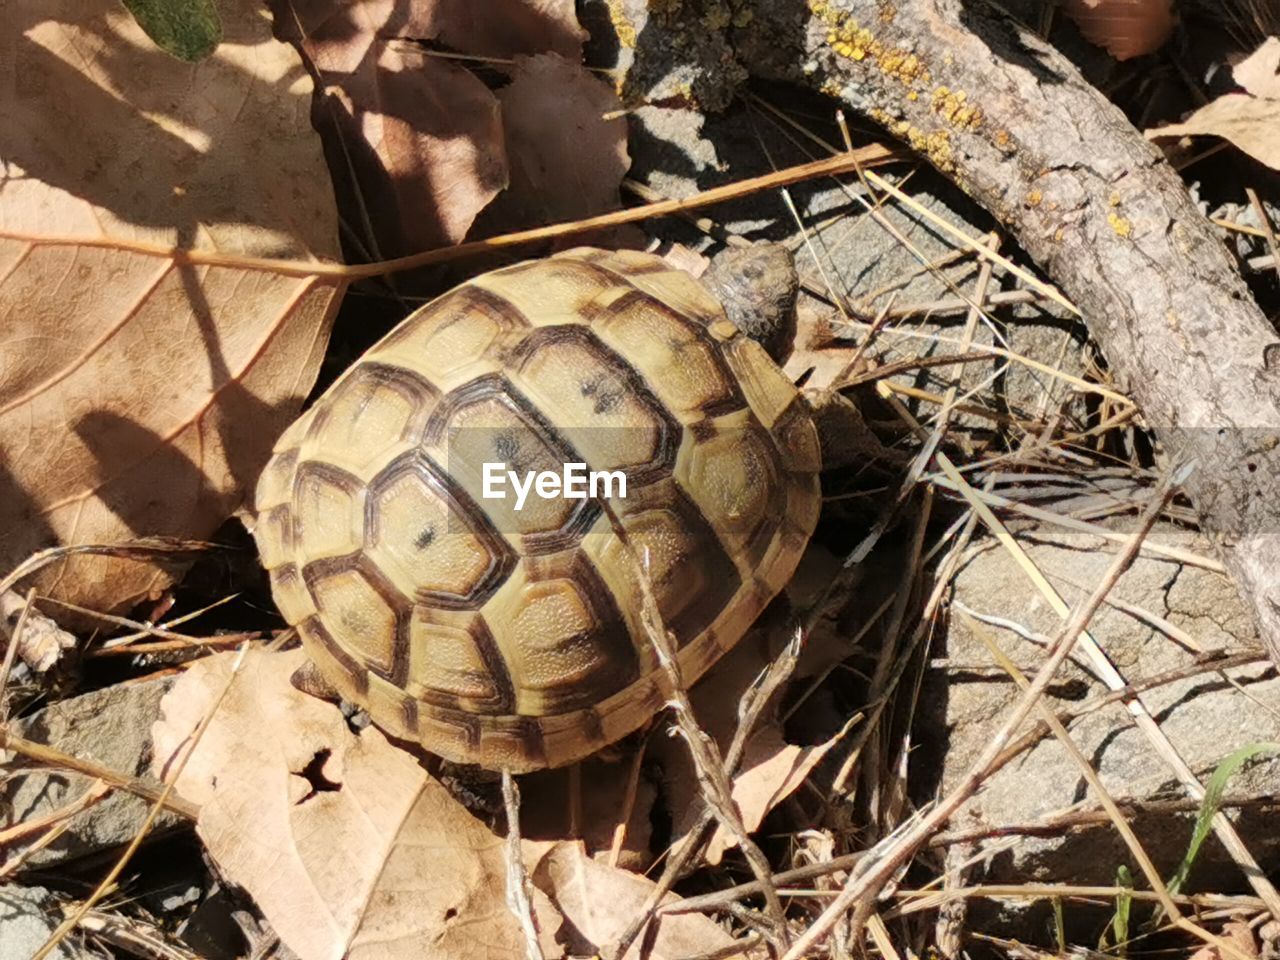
(111, 727)
(28, 915)
(1206, 715)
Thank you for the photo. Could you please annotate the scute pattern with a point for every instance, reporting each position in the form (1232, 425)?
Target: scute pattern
(512, 638)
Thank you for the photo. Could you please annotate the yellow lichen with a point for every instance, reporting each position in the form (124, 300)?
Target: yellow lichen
(1034, 198)
(1119, 224)
(743, 17)
(626, 33)
(936, 144)
(1114, 200)
(953, 107)
(848, 38)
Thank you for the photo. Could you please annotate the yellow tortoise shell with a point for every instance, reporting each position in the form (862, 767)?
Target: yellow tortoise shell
(512, 638)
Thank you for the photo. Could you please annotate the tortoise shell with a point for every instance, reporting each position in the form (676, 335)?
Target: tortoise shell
(512, 638)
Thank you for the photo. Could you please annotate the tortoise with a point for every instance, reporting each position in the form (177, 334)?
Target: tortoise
(512, 638)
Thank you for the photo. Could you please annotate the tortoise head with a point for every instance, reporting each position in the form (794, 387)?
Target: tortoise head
(757, 286)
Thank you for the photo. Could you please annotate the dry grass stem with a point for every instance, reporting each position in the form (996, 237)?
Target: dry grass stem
(1118, 819)
(893, 853)
(750, 708)
(1268, 229)
(51, 757)
(1189, 557)
(173, 646)
(923, 901)
(134, 937)
(54, 825)
(1222, 826)
(864, 156)
(97, 791)
(1079, 383)
(11, 652)
(713, 779)
(517, 878)
(964, 239)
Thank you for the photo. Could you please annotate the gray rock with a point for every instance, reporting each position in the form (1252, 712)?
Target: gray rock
(112, 727)
(1204, 716)
(28, 915)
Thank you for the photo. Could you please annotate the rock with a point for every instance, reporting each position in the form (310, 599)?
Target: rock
(28, 915)
(112, 727)
(1204, 717)
(213, 931)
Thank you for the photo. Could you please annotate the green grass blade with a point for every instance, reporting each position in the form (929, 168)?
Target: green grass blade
(1211, 804)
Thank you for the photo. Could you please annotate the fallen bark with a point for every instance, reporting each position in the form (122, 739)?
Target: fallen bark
(1013, 123)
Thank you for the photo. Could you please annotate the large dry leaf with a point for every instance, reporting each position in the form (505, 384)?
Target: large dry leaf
(567, 160)
(346, 844)
(1124, 28)
(414, 140)
(417, 141)
(1250, 120)
(599, 901)
(137, 395)
(1251, 123)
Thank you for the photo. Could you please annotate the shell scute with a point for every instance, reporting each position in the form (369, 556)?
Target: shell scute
(371, 415)
(456, 663)
(359, 617)
(427, 542)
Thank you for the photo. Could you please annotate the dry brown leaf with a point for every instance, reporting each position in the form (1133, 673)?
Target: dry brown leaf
(1239, 934)
(348, 846)
(1250, 120)
(771, 769)
(567, 161)
(137, 395)
(415, 140)
(550, 810)
(1259, 73)
(504, 28)
(599, 901)
(1124, 28)
(1251, 123)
